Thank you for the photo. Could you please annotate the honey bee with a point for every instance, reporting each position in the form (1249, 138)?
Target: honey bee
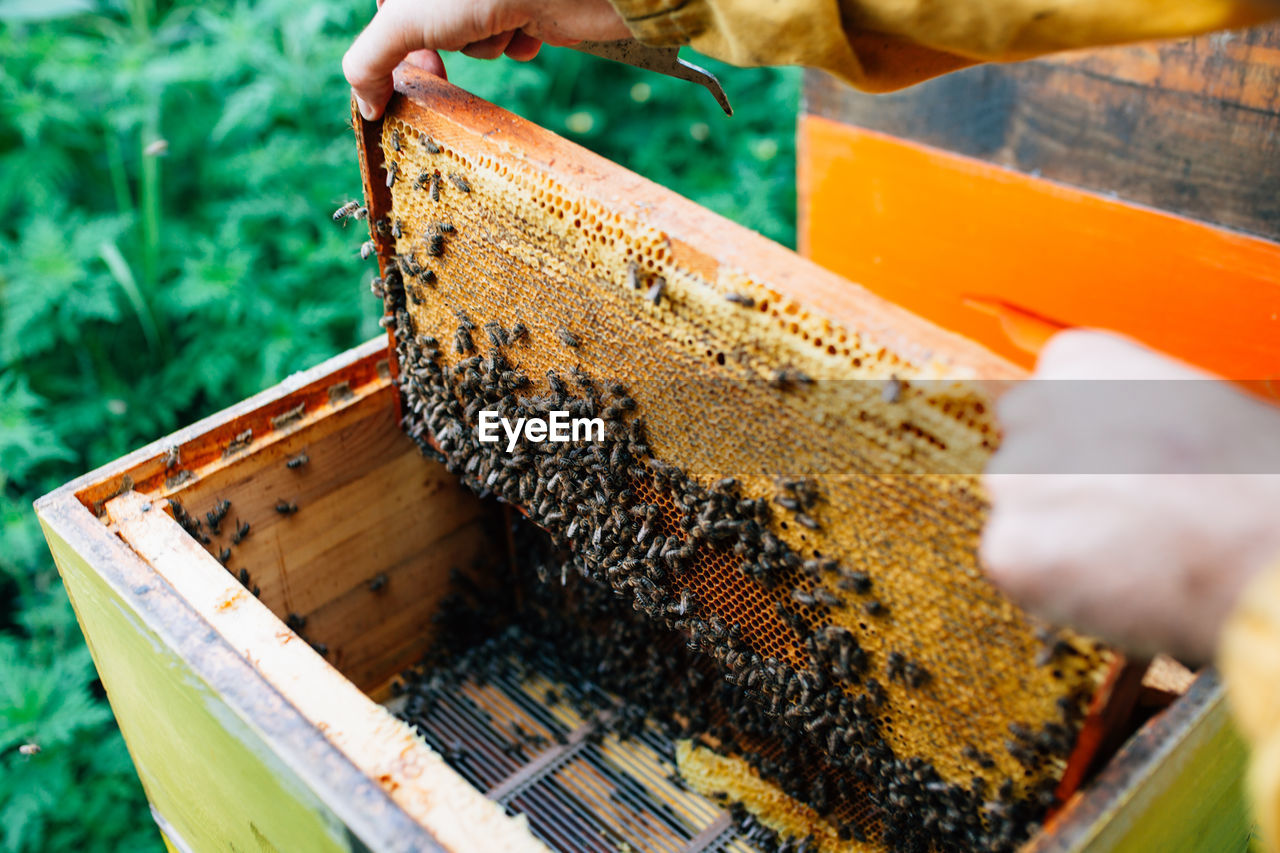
(347, 209)
(807, 521)
(787, 376)
(874, 608)
(29, 749)
(740, 299)
(242, 530)
(891, 392)
(800, 596)
(567, 338)
(244, 577)
(397, 229)
(519, 332)
(435, 245)
(435, 186)
(395, 140)
(296, 622)
(429, 144)
(378, 582)
(393, 169)
(224, 556)
(296, 462)
(366, 250)
(825, 596)
(459, 182)
(633, 275)
(656, 290)
(285, 507)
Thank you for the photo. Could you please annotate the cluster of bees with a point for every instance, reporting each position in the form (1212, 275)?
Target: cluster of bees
(813, 729)
(814, 726)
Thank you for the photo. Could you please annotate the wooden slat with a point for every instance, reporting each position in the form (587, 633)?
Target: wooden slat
(1190, 126)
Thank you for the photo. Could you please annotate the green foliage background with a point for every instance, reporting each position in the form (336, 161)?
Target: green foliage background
(139, 293)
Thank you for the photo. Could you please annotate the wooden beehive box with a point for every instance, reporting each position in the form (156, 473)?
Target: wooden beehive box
(247, 736)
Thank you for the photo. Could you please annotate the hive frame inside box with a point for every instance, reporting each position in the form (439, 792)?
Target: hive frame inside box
(315, 761)
(241, 731)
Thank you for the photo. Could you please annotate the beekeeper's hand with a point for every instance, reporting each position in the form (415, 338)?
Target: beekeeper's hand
(1134, 510)
(484, 29)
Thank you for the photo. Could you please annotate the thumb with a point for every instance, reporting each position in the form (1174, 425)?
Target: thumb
(398, 30)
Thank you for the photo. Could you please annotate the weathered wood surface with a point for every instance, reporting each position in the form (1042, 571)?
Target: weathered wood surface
(1175, 786)
(1189, 126)
(366, 551)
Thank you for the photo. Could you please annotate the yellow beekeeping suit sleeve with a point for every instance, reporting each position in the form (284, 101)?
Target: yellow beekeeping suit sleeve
(880, 45)
(1249, 659)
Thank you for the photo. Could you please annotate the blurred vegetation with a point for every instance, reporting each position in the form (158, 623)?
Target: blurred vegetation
(140, 291)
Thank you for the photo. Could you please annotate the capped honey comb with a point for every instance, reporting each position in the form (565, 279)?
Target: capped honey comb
(836, 440)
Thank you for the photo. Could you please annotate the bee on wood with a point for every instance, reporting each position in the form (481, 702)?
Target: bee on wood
(285, 507)
(257, 591)
(242, 531)
(459, 182)
(378, 582)
(244, 577)
(224, 556)
(172, 456)
(395, 140)
(348, 209)
(566, 337)
(366, 250)
(429, 144)
(321, 649)
(215, 516)
(740, 299)
(296, 622)
(656, 290)
(393, 169)
(296, 462)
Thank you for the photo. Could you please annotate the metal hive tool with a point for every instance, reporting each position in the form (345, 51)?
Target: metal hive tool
(508, 253)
